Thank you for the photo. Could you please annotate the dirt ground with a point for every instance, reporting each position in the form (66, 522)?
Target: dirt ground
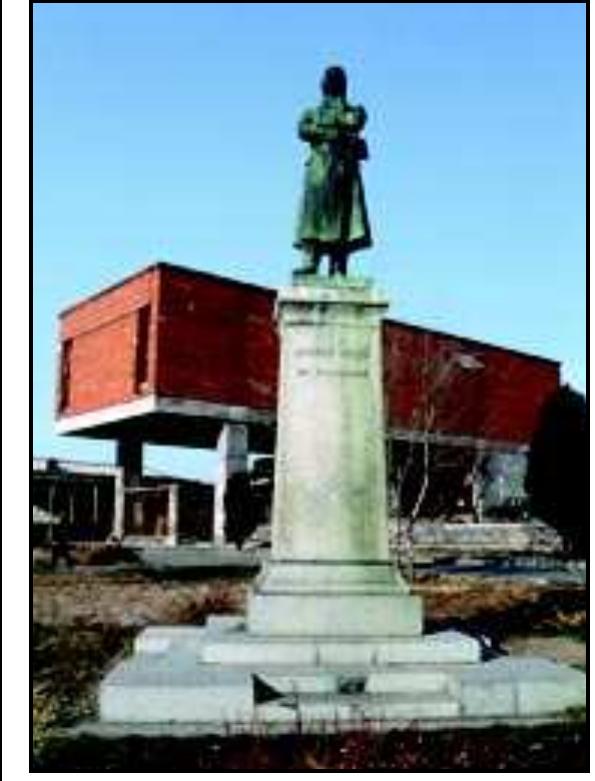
(83, 621)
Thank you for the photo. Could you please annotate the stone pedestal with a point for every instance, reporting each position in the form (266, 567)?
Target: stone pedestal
(330, 571)
(332, 637)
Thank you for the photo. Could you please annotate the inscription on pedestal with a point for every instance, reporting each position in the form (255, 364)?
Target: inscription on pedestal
(332, 362)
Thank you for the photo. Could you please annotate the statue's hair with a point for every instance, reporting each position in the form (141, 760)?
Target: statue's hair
(334, 82)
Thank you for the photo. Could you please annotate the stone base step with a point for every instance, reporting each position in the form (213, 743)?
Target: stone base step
(175, 688)
(222, 675)
(226, 641)
(399, 679)
(359, 708)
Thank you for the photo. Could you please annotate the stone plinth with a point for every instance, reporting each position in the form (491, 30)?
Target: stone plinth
(330, 571)
(332, 636)
(220, 677)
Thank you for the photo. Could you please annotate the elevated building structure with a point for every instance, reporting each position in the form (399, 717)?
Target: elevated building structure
(179, 357)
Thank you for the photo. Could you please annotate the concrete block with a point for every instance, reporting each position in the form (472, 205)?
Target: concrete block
(225, 623)
(299, 679)
(544, 686)
(343, 679)
(412, 707)
(258, 651)
(335, 614)
(441, 648)
(347, 653)
(488, 698)
(174, 688)
(407, 679)
(189, 639)
(325, 708)
(161, 639)
(521, 686)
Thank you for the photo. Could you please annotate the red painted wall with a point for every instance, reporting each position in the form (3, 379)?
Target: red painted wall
(103, 332)
(214, 339)
(463, 386)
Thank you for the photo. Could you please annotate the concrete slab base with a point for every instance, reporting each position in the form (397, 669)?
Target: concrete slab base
(348, 613)
(346, 598)
(191, 729)
(220, 675)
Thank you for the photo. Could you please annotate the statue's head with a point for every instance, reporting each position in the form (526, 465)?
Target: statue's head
(334, 82)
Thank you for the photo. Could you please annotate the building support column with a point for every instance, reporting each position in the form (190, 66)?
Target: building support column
(173, 512)
(129, 462)
(119, 505)
(95, 506)
(232, 449)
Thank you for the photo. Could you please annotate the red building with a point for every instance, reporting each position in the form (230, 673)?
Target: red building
(180, 357)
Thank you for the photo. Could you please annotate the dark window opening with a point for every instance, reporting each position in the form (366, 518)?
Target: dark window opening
(141, 368)
(65, 367)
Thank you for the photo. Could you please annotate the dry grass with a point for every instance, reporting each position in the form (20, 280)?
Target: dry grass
(82, 622)
(500, 608)
(130, 600)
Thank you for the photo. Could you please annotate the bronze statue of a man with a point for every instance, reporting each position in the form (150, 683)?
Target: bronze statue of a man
(333, 219)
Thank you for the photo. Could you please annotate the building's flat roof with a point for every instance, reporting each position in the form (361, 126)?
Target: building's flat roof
(162, 264)
(197, 273)
(46, 463)
(97, 469)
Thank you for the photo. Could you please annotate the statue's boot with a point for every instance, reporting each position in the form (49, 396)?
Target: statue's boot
(338, 264)
(310, 264)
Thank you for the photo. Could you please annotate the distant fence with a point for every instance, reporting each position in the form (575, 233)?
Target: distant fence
(149, 511)
(168, 513)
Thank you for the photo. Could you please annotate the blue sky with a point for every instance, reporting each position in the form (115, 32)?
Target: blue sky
(168, 131)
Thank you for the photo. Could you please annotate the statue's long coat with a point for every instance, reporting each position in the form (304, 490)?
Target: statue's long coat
(333, 212)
